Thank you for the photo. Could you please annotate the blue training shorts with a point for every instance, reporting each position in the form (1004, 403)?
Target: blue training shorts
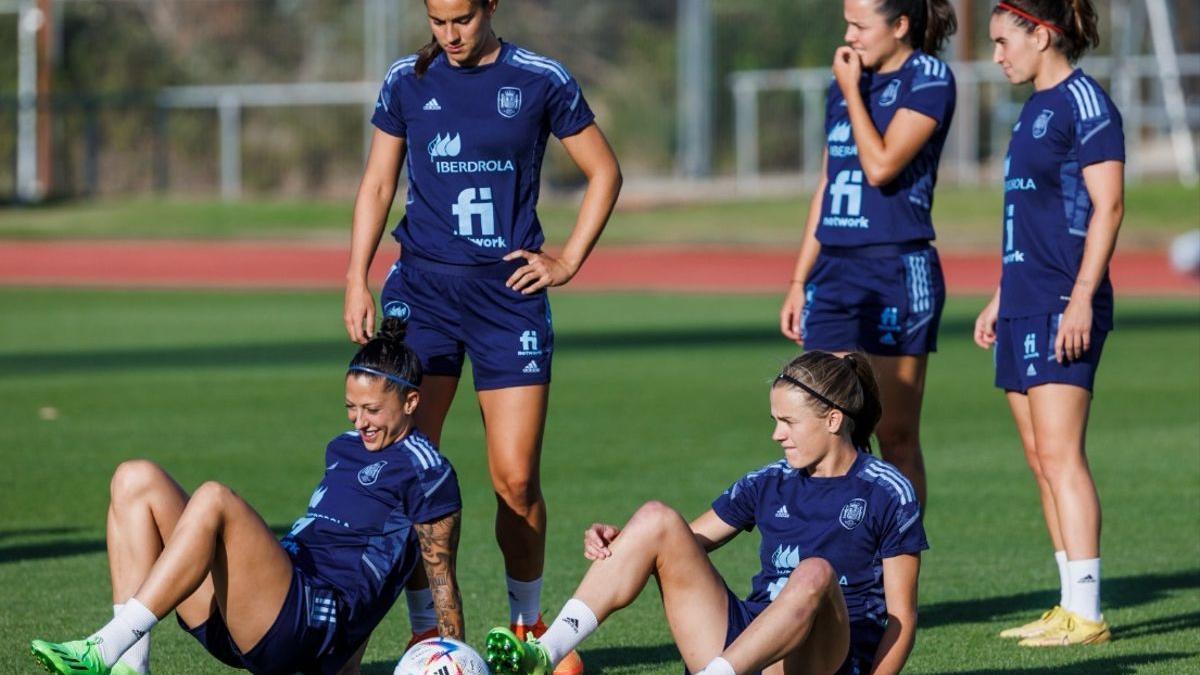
(300, 640)
(457, 310)
(1024, 353)
(884, 299)
(864, 636)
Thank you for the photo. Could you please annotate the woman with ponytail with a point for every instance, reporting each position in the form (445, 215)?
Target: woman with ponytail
(468, 118)
(867, 277)
(841, 538)
(1063, 204)
(387, 502)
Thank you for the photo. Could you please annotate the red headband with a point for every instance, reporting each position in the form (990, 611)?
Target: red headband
(1029, 17)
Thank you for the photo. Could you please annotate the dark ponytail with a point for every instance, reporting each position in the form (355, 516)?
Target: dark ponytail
(1073, 24)
(386, 356)
(838, 383)
(930, 22)
(426, 56)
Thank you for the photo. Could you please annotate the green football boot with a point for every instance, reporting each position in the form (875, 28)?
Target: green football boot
(80, 657)
(123, 668)
(508, 655)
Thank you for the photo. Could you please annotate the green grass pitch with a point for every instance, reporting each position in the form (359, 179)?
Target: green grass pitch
(655, 397)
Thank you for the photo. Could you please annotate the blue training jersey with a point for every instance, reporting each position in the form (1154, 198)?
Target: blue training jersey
(1046, 203)
(853, 213)
(853, 521)
(475, 139)
(358, 535)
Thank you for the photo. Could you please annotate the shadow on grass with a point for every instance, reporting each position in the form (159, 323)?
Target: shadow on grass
(1113, 665)
(65, 548)
(1118, 592)
(331, 352)
(597, 660)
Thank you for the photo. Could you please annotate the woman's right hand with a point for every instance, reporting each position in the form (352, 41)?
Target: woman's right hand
(792, 311)
(596, 540)
(985, 324)
(359, 312)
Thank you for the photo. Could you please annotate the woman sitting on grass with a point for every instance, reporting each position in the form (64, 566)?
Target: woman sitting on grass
(309, 602)
(841, 542)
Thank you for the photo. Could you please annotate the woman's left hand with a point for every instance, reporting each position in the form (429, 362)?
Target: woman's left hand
(539, 271)
(1074, 331)
(847, 69)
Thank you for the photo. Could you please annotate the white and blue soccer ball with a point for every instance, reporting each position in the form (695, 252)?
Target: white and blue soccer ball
(441, 656)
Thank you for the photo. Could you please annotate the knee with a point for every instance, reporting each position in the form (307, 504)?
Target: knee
(210, 496)
(133, 478)
(654, 519)
(900, 439)
(519, 493)
(811, 580)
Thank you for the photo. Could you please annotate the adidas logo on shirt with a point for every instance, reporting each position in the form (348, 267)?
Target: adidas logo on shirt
(432, 105)
(782, 512)
(531, 367)
(1030, 371)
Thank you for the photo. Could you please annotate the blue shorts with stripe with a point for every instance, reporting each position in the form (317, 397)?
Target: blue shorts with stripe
(302, 639)
(1024, 353)
(884, 299)
(466, 310)
(864, 636)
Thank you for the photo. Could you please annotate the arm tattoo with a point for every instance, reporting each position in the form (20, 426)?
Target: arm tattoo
(439, 549)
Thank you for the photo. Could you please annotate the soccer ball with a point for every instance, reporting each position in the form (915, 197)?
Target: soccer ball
(441, 656)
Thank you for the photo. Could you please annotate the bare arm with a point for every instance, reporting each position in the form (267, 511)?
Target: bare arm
(1106, 186)
(711, 532)
(810, 248)
(882, 157)
(371, 207)
(900, 593)
(439, 550)
(592, 154)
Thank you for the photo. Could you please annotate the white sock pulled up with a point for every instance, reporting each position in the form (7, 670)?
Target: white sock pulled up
(136, 657)
(717, 666)
(1085, 588)
(1064, 579)
(422, 616)
(132, 623)
(524, 601)
(572, 626)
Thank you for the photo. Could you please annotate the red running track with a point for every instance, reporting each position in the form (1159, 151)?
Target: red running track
(193, 264)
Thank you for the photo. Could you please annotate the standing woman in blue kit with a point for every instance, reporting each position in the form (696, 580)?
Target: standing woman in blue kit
(867, 278)
(468, 117)
(1064, 198)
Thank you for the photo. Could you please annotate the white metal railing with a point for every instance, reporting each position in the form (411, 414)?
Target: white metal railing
(978, 81)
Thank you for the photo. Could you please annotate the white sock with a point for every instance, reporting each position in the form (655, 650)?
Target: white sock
(1085, 588)
(717, 666)
(130, 624)
(136, 657)
(1064, 579)
(572, 626)
(524, 600)
(421, 615)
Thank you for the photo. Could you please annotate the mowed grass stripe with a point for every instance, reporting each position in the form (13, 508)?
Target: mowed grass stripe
(655, 397)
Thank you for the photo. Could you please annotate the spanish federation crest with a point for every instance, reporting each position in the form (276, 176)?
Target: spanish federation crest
(369, 474)
(1042, 123)
(508, 101)
(890, 94)
(852, 513)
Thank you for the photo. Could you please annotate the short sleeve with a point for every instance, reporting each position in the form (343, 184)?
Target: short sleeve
(932, 92)
(389, 117)
(432, 493)
(1099, 132)
(901, 530)
(738, 505)
(568, 109)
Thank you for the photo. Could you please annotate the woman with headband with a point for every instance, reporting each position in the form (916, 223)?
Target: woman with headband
(387, 502)
(867, 277)
(1063, 204)
(841, 538)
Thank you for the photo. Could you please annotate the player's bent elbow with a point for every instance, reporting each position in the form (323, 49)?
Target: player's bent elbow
(879, 175)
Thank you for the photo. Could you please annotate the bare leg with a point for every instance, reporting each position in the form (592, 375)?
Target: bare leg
(219, 533)
(146, 505)
(1059, 413)
(1019, 403)
(514, 419)
(437, 393)
(658, 542)
(805, 630)
(902, 390)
